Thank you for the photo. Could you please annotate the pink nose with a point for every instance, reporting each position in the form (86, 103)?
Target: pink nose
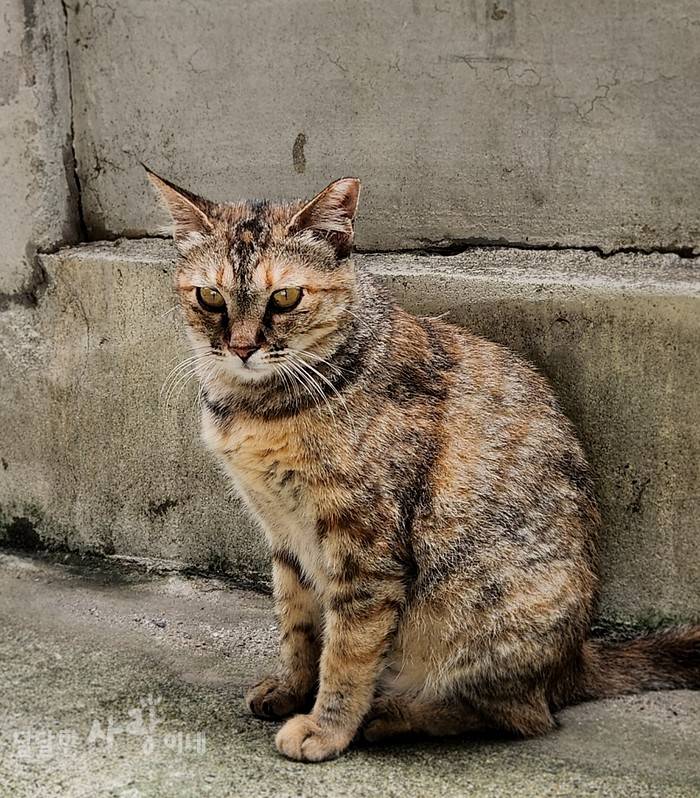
(244, 352)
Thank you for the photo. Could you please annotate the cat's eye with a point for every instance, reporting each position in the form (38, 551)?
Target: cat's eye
(285, 299)
(211, 299)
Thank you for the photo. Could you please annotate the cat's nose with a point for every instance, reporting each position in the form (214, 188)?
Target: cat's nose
(244, 352)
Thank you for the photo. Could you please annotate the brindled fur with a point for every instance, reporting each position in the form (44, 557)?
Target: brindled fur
(430, 513)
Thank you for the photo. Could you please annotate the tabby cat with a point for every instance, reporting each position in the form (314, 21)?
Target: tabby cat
(430, 513)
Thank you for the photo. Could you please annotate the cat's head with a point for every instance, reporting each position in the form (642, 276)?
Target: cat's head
(264, 286)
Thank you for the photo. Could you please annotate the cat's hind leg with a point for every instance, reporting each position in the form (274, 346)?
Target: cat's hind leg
(400, 715)
(396, 715)
(524, 715)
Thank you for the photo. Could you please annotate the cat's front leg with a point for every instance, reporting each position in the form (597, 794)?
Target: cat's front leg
(291, 689)
(361, 615)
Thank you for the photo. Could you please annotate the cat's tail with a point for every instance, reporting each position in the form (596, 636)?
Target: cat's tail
(667, 660)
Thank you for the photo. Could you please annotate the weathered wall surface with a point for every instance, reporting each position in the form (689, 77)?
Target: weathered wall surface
(93, 457)
(37, 183)
(548, 122)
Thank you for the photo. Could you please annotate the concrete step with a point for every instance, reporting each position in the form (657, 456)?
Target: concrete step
(83, 644)
(93, 459)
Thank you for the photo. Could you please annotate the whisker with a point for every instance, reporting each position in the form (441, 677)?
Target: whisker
(182, 377)
(293, 374)
(191, 349)
(183, 384)
(182, 366)
(362, 322)
(294, 368)
(330, 385)
(280, 371)
(354, 315)
(303, 365)
(197, 404)
(173, 378)
(338, 370)
(200, 392)
(312, 385)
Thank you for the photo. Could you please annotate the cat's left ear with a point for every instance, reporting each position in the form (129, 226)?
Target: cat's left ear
(331, 214)
(188, 212)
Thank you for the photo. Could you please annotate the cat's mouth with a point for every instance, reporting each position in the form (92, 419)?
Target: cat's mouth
(301, 365)
(254, 367)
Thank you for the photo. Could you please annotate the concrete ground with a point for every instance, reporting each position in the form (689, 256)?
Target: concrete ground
(120, 682)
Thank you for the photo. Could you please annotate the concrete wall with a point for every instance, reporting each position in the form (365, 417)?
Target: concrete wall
(38, 189)
(93, 458)
(553, 122)
(90, 457)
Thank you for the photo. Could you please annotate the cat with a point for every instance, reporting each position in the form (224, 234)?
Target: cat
(430, 513)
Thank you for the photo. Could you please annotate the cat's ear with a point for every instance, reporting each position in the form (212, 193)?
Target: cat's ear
(331, 214)
(188, 211)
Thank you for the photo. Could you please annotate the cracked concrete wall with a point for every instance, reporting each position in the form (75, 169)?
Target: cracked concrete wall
(37, 167)
(544, 122)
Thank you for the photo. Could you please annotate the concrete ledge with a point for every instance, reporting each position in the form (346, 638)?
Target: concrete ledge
(40, 204)
(91, 459)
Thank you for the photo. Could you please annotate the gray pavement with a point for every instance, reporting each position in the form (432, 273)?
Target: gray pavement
(120, 682)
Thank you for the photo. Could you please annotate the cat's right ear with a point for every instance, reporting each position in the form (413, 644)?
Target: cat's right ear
(188, 211)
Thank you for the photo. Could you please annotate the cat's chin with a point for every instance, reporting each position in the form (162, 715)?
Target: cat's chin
(243, 373)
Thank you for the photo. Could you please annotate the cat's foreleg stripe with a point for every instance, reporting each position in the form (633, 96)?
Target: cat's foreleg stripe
(297, 613)
(286, 559)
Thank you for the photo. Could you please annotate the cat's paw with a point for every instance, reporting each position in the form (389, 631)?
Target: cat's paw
(272, 699)
(303, 739)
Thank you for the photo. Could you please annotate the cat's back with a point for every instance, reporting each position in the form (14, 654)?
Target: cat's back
(490, 453)
(494, 398)
(506, 441)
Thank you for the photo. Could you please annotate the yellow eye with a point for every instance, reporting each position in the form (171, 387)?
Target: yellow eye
(285, 299)
(211, 299)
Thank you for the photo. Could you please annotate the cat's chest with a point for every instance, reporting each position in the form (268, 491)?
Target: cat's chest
(274, 459)
(278, 469)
